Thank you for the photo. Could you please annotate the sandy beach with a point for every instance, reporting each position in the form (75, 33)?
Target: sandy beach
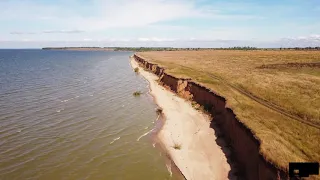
(198, 156)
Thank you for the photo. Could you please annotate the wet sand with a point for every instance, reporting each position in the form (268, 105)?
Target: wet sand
(186, 135)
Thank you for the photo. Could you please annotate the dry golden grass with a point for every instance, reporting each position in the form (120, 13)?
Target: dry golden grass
(293, 90)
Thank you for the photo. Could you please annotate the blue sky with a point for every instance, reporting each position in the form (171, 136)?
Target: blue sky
(178, 23)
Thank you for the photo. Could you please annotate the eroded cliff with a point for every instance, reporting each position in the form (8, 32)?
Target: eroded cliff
(244, 144)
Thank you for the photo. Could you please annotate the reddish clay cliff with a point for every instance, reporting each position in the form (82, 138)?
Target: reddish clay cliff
(245, 146)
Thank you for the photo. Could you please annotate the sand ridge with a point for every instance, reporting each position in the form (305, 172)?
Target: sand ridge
(199, 157)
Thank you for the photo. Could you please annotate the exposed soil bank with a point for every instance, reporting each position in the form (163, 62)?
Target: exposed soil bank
(245, 146)
(291, 65)
(187, 137)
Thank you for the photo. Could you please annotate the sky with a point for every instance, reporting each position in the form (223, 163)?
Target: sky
(169, 23)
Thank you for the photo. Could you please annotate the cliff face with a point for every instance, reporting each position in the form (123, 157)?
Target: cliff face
(245, 146)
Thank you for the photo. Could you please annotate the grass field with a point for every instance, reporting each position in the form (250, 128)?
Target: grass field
(275, 93)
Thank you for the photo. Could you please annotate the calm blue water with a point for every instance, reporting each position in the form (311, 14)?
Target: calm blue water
(71, 115)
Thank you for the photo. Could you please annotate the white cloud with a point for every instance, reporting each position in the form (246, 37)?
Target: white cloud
(143, 39)
(103, 14)
(145, 22)
(62, 31)
(160, 42)
(127, 13)
(26, 40)
(312, 37)
(156, 39)
(87, 39)
(48, 32)
(315, 37)
(19, 33)
(300, 41)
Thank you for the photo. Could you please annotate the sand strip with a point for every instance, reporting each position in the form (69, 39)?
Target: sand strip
(199, 157)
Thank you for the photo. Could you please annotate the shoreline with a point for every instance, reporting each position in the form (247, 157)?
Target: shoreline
(186, 135)
(158, 125)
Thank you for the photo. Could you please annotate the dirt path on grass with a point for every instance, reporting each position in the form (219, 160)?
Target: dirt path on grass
(261, 101)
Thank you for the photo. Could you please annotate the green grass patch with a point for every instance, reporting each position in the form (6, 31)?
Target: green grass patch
(137, 93)
(177, 146)
(159, 110)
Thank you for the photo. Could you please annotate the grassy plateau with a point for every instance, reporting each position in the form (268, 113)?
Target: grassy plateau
(275, 93)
